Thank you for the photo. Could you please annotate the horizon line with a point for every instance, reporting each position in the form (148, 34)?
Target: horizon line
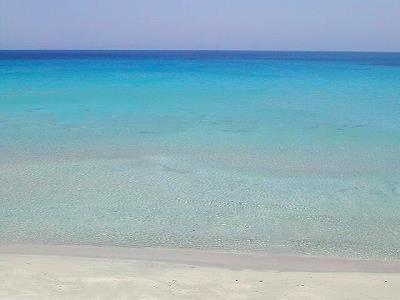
(206, 50)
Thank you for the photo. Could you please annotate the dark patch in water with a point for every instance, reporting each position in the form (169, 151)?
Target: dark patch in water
(236, 130)
(148, 132)
(174, 170)
(37, 109)
(346, 126)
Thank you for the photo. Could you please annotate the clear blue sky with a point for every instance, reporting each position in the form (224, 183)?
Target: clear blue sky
(365, 25)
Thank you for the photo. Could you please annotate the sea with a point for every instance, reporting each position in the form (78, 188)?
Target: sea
(294, 153)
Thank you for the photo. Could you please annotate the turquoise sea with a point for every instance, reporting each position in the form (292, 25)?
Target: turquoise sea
(281, 152)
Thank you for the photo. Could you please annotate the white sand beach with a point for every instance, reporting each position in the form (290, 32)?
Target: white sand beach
(158, 274)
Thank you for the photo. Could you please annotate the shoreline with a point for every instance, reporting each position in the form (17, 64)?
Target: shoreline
(256, 261)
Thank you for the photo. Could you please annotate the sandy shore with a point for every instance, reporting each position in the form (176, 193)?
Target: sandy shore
(60, 272)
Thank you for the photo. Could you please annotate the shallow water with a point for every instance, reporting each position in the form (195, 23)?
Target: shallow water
(285, 152)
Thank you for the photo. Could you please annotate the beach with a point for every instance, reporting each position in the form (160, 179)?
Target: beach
(199, 175)
(199, 150)
(60, 272)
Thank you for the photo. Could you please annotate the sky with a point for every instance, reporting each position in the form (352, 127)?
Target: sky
(319, 25)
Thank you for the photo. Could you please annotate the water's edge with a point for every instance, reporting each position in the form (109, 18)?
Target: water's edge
(210, 258)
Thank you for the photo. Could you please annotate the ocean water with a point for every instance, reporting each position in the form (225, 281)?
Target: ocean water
(281, 152)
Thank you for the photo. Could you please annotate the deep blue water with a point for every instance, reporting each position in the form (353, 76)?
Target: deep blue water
(272, 151)
(389, 59)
